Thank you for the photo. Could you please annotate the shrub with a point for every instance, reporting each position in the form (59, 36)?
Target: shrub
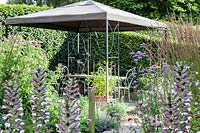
(98, 81)
(84, 107)
(7, 11)
(52, 40)
(105, 122)
(116, 108)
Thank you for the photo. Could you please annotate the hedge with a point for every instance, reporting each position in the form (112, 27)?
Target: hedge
(51, 39)
(55, 42)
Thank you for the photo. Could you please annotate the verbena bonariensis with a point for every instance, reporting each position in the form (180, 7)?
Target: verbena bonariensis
(176, 107)
(148, 106)
(13, 108)
(70, 110)
(136, 73)
(39, 101)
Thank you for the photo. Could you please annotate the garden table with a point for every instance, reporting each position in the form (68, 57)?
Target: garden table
(83, 77)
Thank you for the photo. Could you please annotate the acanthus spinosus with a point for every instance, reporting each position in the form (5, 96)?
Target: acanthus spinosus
(39, 101)
(70, 110)
(13, 107)
(176, 105)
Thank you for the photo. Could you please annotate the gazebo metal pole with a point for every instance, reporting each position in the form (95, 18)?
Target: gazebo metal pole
(78, 41)
(107, 56)
(118, 47)
(78, 51)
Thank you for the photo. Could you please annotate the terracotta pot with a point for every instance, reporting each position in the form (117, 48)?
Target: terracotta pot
(100, 98)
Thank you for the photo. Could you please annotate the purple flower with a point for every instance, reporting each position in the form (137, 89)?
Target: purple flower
(137, 56)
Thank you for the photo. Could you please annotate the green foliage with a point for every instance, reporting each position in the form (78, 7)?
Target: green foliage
(53, 83)
(17, 10)
(130, 42)
(18, 58)
(159, 9)
(195, 105)
(84, 107)
(21, 2)
(83, 124)
(116, 108)
(51, 40)
(98, 81)
(105, 122)
(54, 3)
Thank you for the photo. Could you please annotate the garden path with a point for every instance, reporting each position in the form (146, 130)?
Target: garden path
(129, 125)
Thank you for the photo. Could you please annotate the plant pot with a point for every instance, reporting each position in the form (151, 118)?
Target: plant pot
(100, 98)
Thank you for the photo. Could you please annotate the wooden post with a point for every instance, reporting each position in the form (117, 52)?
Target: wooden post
(91, 96)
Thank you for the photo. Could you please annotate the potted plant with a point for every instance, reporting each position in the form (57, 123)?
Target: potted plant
(98, 81)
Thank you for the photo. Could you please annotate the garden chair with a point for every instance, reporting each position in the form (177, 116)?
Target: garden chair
(125, 84)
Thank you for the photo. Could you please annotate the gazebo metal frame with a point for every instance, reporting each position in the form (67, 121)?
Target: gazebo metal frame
(76, 39)
(87, 16)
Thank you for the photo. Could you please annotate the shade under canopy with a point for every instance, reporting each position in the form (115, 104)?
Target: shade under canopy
(86, 16)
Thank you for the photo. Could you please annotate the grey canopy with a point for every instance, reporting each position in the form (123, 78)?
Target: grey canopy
(86, 16)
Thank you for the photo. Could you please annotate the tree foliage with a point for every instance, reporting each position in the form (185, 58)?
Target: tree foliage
(158, 9)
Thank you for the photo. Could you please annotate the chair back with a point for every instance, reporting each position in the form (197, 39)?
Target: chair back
(127, 82)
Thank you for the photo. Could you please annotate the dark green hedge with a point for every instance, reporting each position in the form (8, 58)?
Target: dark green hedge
(55, 42)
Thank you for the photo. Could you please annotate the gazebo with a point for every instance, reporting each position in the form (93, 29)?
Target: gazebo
(87, 16)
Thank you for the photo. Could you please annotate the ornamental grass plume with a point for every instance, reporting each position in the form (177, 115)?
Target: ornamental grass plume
(13, 109)
(181, 43)
(70, 110)
(39, 101)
